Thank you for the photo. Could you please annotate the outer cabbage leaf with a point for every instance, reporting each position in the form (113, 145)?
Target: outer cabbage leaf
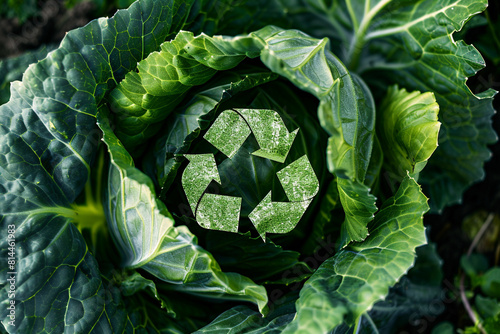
(48, 140)
(349, 283)
(490, 49)
(241, 319)
(144, 233)
(415, 296)
(58, 282)
(249, 15)
(411, 43)
(55, 105)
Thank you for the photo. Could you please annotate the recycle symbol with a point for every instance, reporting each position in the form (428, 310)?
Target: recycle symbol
(227, 134)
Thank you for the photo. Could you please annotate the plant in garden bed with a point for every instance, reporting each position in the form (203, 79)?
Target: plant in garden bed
(112, 242)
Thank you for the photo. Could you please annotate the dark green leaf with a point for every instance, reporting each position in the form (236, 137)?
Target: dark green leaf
(349, 283)
(487, 307)
(253, 258)
(491, 282)
(241, 319)
(443, 328)
(474, 264)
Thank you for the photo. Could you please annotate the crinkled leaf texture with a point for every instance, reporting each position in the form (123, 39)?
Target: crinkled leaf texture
(415, 296)
(48, 140)
(408, 128)
(410, 43)
(349, 283)
(144, 233)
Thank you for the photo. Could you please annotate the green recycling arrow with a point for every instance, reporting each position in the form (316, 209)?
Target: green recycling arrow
(298, 180)
(229, 125)
(271, 133)
(215, 212)
(227, 134)
(300, 184)
(219, 212)
(277, 217)
(198, 174)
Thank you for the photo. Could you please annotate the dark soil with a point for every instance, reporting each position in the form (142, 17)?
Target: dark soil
(48, 27)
